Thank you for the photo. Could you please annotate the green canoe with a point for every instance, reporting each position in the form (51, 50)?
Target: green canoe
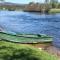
(25, 38)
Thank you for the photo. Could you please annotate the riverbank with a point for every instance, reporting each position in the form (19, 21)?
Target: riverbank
(54, 10)
(53, 50)
(48, 47)
(13, 51)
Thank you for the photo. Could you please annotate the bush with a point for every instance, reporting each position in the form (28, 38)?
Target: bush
(12, 51)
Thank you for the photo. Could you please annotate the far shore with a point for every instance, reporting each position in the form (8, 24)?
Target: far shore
(54, 10)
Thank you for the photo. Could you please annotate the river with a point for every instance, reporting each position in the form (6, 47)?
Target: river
(31, 23)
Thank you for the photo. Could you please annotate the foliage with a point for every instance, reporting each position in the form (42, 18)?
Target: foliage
(2, 0)
(12, 51)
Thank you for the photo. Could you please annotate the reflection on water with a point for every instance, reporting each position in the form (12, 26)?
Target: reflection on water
(24, 22)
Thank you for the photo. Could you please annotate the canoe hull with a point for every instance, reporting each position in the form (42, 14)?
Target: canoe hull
(26, 38)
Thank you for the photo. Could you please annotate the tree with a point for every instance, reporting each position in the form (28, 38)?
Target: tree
(2, 0)
(46, 1)
(53, 3)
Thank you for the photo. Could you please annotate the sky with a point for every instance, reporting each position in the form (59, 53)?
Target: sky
(24, 1)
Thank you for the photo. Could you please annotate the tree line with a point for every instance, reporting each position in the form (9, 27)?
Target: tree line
(51, 4)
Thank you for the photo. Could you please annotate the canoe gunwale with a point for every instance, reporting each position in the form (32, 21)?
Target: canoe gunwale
(19, 39)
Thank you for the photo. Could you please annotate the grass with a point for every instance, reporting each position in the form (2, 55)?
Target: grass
(54, 10)
(12, 51)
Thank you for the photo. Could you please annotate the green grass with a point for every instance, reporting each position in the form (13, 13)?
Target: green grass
(12, 51)
(54, 11)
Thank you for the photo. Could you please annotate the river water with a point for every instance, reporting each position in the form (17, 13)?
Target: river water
(31, 23)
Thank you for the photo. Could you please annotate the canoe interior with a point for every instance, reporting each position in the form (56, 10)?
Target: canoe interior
(25, 38)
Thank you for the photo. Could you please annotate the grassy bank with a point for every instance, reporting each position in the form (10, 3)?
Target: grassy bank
(12, 51)
(54, 11)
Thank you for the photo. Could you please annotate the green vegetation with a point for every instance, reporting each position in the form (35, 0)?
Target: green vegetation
(45, 7)
(12, 51)
(54, 11)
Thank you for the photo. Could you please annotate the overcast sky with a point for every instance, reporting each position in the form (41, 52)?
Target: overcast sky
(24, 1)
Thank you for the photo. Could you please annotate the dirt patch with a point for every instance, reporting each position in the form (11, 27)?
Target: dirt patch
(48, 47)
(53, 50)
